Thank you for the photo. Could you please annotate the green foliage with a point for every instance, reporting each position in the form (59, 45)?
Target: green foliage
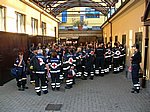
(79, 23)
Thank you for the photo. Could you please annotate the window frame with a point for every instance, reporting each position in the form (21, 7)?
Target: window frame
(3, 7)
(43, 28)
(24, 22)
(33, 30)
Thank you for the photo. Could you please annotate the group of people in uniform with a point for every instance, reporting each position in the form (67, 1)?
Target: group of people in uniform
(63, 64)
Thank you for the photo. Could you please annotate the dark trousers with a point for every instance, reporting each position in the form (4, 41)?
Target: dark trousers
(32, 79)
(107, 61)
(55, 81)
(99, 64)
(116, 65)
(89, 70)
(79, 70)
(40, 78)
(135, 76)
(21, 79)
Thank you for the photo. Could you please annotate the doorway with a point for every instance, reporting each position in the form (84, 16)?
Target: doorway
(138, 40)
(124, 40)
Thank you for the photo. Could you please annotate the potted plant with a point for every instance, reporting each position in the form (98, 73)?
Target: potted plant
(79, 24)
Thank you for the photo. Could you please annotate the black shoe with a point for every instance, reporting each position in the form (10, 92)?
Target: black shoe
(45, 92)
(84, 78)
(26, 87)
(133, 88)
(38, 93)
(70, 86)
(21, 89)
(67, 87)
(132, 91)
(102, 75)
(135, 91)
(53, 89)
(58, 89)
(91, 78)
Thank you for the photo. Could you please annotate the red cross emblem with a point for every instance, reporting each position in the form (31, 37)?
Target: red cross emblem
(92, 53)
(54, 65)
(109, 52)
(70, 60)
(40, 60)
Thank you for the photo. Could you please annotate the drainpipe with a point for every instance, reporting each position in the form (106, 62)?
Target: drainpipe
(146, 53)
(145, 56)
(110, 32)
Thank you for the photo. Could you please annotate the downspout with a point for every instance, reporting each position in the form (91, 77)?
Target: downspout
(145, 56)
(146, 52)
(110, 32)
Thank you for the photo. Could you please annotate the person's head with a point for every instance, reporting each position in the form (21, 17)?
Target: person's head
(40, 51)
(135, 47)
(79, 49)
(20, 53)
(115, 44)
(54, 54)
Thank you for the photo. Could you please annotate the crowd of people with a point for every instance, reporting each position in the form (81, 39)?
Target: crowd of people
(64, 63)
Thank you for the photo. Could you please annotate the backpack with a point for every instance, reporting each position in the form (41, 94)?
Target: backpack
(14, 72)
(34, 64)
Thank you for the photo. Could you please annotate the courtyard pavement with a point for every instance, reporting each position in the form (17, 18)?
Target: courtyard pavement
(110, 93)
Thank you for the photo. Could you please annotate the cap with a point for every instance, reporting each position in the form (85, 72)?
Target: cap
(136, 46)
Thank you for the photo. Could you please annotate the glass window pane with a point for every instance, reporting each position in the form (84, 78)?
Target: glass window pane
(2, 18)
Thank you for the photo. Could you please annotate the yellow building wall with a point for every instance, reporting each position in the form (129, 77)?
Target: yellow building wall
(128, 22)
(88, 21)
(25, 8)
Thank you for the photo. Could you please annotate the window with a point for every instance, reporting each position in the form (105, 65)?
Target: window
(138, 39)
(43, 28)
(105, 39)
(64, 16)
(2, 18)
(81, 18)
(116, 38)
(123, 39)
(110, 39)
(92, 13)
(20, 22)
(34, 26)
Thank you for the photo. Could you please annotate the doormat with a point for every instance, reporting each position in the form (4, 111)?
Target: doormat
(53, 107)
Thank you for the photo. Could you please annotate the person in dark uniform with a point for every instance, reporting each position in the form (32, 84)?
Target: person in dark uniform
(55, 67)
(78, 62)
(38, 63)
(122, 56)
(20, 65)
(108, 56)
(89, 68)
(116, 58)
(135, 63)
(99, 64)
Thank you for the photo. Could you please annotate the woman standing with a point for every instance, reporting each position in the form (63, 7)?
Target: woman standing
(55, 68)
(20, 65)
(135, 62)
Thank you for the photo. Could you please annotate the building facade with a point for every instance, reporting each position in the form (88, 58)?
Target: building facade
(21, 23)
(127, 27)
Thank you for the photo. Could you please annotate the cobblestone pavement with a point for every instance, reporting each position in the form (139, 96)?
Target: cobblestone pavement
(110, 93)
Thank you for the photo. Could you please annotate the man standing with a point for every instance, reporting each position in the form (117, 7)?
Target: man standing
(135, 62)
(100, 59)
(39, 62)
